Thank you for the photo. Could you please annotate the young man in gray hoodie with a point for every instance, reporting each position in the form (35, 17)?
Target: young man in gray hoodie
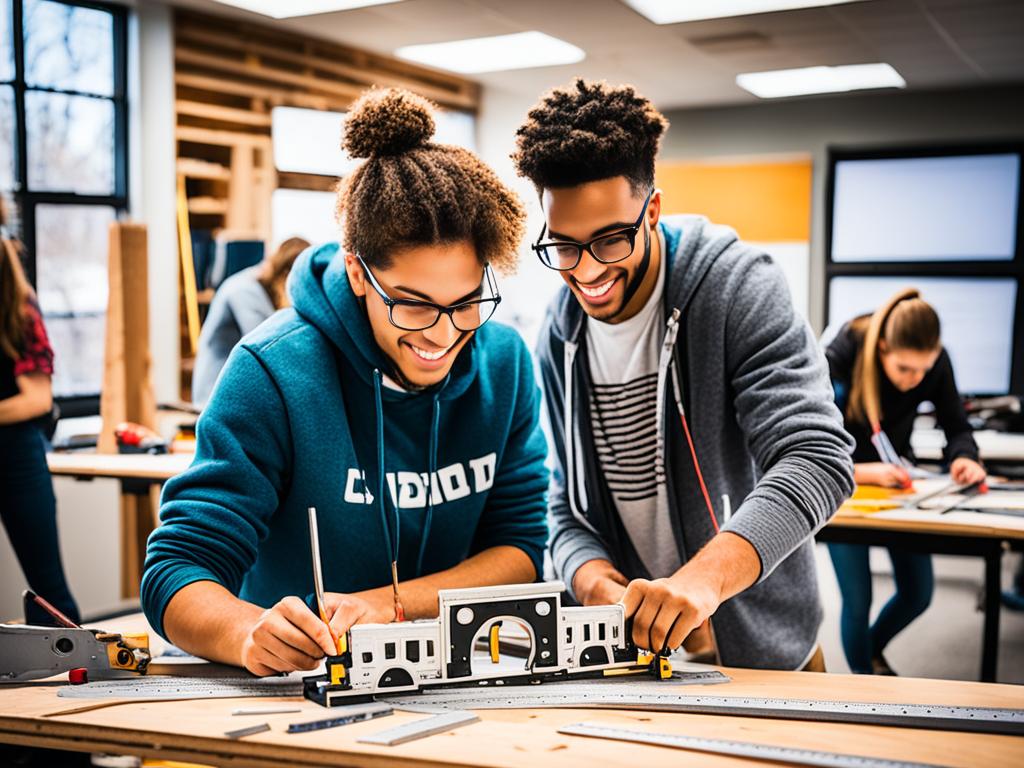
(677, 377)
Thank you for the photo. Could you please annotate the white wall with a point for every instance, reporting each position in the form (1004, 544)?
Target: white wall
(525, 295)
(153, 178)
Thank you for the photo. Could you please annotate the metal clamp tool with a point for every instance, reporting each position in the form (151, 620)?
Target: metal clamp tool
(31, 652)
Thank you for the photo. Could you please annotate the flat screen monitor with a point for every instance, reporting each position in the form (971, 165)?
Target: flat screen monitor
(976, 313)
(939, 208)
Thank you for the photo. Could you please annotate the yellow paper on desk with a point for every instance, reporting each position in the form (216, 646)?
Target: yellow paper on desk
(876, 492)
(856, 506)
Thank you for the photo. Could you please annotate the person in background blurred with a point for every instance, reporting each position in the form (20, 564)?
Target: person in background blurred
(883, 366)
(243, 301)
(28, 507)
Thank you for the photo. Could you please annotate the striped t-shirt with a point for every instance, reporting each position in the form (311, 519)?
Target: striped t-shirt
(623, 360)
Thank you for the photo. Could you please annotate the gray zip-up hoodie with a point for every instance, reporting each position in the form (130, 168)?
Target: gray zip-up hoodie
(754, 386)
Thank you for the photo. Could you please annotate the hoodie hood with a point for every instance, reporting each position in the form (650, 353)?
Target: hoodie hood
(321, 295)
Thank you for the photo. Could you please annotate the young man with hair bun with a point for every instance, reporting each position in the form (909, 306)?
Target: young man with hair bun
(680, 383)
(385, 399)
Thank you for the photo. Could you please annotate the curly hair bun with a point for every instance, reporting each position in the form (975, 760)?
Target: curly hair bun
(390, 121)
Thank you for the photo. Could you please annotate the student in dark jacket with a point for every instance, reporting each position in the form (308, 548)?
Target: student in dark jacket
(27, 504)
(385, 399)
(883, 366)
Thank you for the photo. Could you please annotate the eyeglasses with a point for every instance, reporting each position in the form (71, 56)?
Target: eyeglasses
(412, 315)
(565, 255)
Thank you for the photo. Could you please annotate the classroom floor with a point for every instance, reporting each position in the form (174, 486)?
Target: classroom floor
(945, 641)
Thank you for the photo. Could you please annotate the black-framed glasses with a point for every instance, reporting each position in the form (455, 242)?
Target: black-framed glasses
(565, 255)
(413, 315)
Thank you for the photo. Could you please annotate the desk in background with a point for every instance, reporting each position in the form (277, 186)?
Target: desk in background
(141, 476)
(971, 534)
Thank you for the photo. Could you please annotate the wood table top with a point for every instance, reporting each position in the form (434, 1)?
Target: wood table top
(194, 730)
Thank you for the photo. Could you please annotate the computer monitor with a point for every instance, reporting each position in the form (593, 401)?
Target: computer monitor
(947, 208)
(977, 316)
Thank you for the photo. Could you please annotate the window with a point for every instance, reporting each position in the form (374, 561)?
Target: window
(586, 633)
(600, 631)
(63, 165)
(389, 650)
(412, 650)
(430, 649)
(568, 635)
(367, 657)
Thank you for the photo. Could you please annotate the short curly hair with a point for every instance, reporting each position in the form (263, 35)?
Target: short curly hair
(589, 131)
(413, 192)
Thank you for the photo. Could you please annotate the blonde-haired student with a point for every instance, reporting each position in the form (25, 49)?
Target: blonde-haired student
(883, 366)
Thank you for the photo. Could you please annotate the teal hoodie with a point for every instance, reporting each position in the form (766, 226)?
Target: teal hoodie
(300, 418)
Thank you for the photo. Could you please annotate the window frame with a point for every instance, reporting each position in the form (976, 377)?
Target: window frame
(25, 199)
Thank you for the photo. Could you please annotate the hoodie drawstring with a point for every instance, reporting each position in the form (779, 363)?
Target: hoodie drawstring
(575, 481)
(391, 542)
(435, 422)
(665, 368)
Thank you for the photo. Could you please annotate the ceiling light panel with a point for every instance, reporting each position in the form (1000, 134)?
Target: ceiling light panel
(807, 80)
(677, 11)
(523, 50)
(285, 9)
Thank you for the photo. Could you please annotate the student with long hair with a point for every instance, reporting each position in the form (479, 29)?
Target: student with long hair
(883, 366)
(242, 302)
(27, 504)
(385, 399)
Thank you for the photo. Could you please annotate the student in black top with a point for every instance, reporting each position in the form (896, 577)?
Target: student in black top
(27, 505)
(883, 366)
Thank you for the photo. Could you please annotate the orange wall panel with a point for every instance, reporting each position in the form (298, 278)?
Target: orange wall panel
(762, 201)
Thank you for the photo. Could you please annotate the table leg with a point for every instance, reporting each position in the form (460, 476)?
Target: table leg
(990, 636)
(138, 505)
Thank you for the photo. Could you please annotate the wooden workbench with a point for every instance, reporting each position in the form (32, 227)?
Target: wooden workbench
(141, 476)
(194, 730)
(119, 466)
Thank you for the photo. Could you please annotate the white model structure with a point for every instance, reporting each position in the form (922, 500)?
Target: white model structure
(409, 656)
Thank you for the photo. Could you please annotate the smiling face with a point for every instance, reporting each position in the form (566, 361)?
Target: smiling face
(906, 368)
(441, 273)
(595, 208)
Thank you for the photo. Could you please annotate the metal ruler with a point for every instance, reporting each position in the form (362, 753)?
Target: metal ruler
(165, 687)
(747, 749)
(430, 726)
(355, 713)
(660, 697)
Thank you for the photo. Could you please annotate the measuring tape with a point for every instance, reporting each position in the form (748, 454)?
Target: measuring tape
(168, 687)
(746, 749)
(185, 688)
(653, 696)
(419, 729)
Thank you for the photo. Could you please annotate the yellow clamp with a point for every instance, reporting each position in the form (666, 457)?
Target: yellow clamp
(664, 668)
(493, 643)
